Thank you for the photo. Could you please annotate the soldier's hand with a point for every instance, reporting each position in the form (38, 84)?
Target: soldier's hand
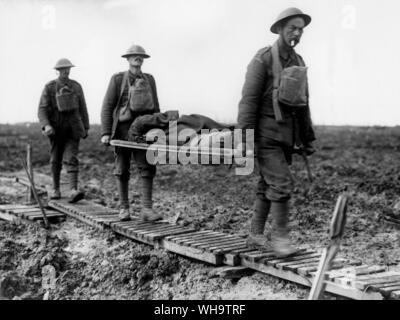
(105, 140)
(308, 149)
(48, 130)
(86, 134)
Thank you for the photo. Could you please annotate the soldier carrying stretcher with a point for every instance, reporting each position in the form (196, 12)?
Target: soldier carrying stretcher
(275, 104)
(130, 94)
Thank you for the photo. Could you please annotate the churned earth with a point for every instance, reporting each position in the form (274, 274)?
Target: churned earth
(89, 264)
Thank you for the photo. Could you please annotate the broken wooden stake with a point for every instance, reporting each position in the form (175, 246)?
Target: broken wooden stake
(328, 255)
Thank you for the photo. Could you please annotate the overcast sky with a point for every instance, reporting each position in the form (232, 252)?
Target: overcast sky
(200, 50)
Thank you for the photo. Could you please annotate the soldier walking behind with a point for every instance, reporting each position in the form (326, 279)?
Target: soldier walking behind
(64, 118)
(275, 104)
(130, 94)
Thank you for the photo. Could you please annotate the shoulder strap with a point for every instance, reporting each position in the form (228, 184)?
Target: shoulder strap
(123, 83)
(276, 71)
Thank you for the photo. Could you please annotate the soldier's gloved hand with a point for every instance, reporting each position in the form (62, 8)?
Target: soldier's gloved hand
(105, 140)
(308, 149)
(48, 130)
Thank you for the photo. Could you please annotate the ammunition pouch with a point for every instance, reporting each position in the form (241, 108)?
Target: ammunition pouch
(289, 85)
(67, 100)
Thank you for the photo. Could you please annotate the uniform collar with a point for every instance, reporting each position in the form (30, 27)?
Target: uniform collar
(138, 75)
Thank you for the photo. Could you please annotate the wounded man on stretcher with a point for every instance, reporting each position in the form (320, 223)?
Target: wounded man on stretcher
(188, 139)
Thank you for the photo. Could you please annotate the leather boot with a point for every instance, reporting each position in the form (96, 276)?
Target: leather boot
(147, 213)
(280, 236)
(256, 238)
(75, 194)
(124, 214)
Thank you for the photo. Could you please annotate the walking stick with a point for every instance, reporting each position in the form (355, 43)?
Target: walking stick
(336, 233)
(35, 194)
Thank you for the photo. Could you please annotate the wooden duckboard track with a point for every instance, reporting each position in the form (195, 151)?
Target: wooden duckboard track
(13, 212)
(348, 278)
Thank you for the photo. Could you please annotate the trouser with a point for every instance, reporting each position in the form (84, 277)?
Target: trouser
(64, 150)
(274, 187)
(122, 165)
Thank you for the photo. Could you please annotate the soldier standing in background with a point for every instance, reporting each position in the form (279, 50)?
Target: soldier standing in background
(64, 118)
(275, 104)
(130, 94)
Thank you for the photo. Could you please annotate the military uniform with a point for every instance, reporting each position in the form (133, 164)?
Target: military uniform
(119, 130)
(275, 140)
(69, 128)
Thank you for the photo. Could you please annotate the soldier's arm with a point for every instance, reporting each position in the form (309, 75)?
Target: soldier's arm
(109, 104)
(156, 103)
(44, 106)
(251, 93)
(307, 131)
(83, 109)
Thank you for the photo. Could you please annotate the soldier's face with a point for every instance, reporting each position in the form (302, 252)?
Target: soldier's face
(63, 73)
(292, 31)
(135, 61)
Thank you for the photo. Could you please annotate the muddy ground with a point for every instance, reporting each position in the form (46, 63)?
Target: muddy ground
(88, 264)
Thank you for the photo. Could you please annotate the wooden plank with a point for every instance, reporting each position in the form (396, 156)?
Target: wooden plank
(193, 253)
(152, 234)
(254, 257)
(19, 211)
(229, 249)
(200, 239)
(142, 231)
(122, 224)
(143, 226)
(362, 270)
(385, 285)
(193, 235)
(361, 285)
(161, 235)
(247, 250)
(40, 216)
(223, 245)
(6, 207)
(273, 262)
(293, 266)
(233, 258)
(8, 217)
(386, 291)
(330, 286)
(337, 264)
(218, 242)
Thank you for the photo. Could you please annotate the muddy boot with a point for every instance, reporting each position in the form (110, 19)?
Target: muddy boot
(56, 172)
(55, 195)
(75, 195)
(147, 213)
(124, 214)
(280, 236)
(256, 238)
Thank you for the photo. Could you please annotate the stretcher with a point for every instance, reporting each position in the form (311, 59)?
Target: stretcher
(204, 154)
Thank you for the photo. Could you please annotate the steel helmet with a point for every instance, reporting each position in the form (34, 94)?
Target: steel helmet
(63, 63)
(290, 13)
(135, 49)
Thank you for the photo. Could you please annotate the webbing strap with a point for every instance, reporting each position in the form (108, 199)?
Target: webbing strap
(276, 71)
